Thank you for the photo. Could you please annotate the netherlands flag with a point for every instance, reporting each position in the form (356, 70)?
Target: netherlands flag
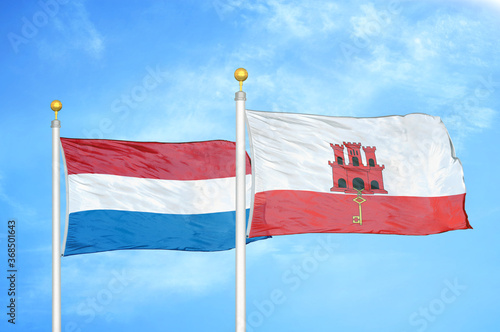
(385, 175)
(148, 195)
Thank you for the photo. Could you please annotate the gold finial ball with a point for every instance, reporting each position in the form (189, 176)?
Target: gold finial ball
(56, 105)
(241, 74)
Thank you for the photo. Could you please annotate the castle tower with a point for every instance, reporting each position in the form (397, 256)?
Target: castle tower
(371, 160)
(353, 153)
(375, 174)
(338, 150)
(338, 169)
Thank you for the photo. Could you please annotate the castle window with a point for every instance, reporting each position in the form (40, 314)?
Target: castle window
(340, 161)
(371, 162)
(374, 184)
(342, 183)
(358, 183)
(355, 161)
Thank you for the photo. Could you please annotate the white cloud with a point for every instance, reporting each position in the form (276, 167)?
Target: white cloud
(371, 23)
(468, 121)
(481, 117)
(436, 59)
(78, 33)
(84, 33)
(191, 105)
(490, 4)
(122, 280)
(18, 209)
(288, 19)
(150, 271)
(298, 20)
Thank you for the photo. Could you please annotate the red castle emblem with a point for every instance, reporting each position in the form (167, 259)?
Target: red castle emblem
(355, 177)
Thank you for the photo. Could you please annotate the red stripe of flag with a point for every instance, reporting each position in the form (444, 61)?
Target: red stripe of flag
(153, 160)
(281, 212)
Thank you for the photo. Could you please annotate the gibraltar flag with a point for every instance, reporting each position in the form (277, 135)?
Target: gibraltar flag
(148, 195)
(385, 175)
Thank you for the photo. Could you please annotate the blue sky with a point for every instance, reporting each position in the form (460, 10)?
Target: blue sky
(349, 58)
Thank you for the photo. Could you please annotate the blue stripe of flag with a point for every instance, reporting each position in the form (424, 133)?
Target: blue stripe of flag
(106, 230)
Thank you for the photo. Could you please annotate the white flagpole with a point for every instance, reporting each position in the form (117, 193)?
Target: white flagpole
(56, 221)
(240, 97)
